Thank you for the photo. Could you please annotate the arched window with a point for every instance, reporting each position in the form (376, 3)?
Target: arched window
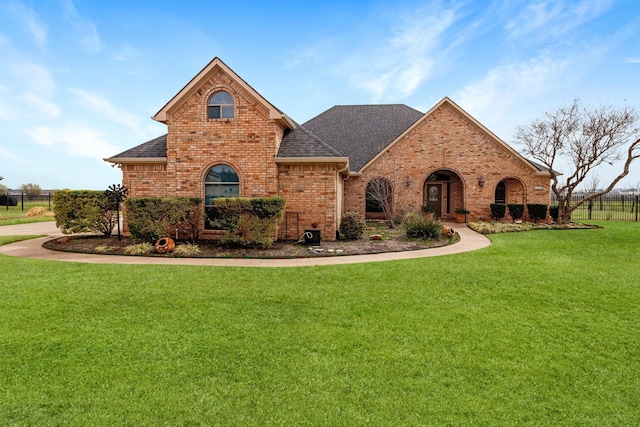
(379, 198)
(221, 181)
(220, 106)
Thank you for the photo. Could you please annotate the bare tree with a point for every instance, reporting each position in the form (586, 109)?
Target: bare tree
(380, 193)
(31, 190)
(583, 139)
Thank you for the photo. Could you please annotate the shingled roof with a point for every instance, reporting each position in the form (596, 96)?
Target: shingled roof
(360, 132)
(154, 149)
(299, 142)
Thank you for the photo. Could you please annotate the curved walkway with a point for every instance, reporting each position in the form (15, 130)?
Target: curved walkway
(469, 241)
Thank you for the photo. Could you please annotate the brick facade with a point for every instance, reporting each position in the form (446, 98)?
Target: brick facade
(446, 149)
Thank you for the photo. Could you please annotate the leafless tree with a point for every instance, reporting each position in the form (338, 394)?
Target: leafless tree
(380, 192)
(583, 139)
(31, 190)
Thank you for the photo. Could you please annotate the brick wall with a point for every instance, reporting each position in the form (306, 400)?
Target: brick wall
(449, 141)
(310, 191)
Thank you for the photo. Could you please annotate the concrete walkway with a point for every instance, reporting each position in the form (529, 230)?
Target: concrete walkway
(469, 241)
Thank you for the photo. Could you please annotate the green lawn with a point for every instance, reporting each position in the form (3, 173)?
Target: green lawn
(16, 215)
(541, 328)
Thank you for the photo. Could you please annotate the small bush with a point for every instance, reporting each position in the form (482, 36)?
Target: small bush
(187, 250)
(554, 211)
(101, 249)
(139, 249)
(351, 226)
(419, 227)
(251, 222)
(516, 211)
(79, 211)
(498, 210)
(150, 218)
(537, 211)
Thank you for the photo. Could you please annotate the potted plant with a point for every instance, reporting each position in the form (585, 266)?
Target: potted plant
(461, 215)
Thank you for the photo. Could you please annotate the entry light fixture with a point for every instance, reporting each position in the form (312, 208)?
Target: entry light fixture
(481, 181)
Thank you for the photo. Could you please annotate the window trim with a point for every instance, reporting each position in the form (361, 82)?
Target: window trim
(224, 108)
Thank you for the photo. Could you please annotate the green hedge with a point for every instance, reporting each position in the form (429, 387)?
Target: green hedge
(250, 222)
(498, 211)
(150, 218)
(516, 211)
(537, 211)
(82, 211)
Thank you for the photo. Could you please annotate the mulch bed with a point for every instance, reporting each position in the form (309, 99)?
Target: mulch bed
(393, 240)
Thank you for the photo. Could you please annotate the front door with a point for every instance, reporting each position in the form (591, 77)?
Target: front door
(434, 198)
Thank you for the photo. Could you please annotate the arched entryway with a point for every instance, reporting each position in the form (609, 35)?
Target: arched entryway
(510, 190)
(443, 193)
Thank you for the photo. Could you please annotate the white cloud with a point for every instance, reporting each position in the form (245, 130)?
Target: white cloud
(105, 108)
(7, 110)
(396, 66)
(85, 29)
(504, 86)
(34, 78)
(30, 19)
(631, 61)
(75, 139)
(47, 108)
(555, 18)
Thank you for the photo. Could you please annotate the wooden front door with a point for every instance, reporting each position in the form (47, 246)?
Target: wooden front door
(434, 199)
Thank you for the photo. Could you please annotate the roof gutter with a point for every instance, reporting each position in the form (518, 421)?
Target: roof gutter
(130, 160)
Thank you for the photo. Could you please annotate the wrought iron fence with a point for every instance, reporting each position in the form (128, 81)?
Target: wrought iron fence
(610, 207)
(18, 199)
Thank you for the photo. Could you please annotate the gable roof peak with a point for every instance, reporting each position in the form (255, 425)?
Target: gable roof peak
(203, 75)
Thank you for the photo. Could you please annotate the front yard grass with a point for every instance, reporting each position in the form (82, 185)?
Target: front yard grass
(541, 328)
(16, 215)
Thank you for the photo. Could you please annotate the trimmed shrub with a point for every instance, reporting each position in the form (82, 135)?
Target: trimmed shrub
(150, 218)
(351, 226)
(554, 211)
(498, 211)
(250, 222)
(516, 211)
(81, 211)
(419, 227)
(537, 211)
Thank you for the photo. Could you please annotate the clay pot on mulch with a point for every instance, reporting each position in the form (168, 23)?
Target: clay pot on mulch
(164, 245)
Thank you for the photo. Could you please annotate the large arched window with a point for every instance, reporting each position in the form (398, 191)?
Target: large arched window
(221, 181)
(379, 198)
(220, 106)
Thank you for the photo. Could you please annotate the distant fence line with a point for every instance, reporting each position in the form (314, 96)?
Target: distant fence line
(13, 198)
(610, 207)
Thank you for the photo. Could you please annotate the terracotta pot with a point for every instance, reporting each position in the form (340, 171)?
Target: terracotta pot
(164, 245)
(461, 218)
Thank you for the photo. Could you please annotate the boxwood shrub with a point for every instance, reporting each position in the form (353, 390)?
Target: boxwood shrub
(81, 211)
(250, 222)
(498, 211)
(150, 218)
(554, 211)
(351, 226)
(516, 211)
(537, 211)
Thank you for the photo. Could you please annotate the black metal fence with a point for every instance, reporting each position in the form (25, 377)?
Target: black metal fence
(22, 200)
(610, 207)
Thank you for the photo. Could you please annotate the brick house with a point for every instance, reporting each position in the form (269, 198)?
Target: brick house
(225, 140)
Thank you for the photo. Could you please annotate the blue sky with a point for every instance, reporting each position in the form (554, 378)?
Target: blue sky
(80, 79)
